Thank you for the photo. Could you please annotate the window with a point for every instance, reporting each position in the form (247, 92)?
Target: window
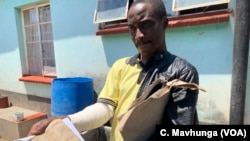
(179, 5)
(38, 40)
(116, 10)
(112, 13)
(110, 10)
(183, 7)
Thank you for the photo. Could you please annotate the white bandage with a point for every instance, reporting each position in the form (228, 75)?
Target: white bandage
(92, 116)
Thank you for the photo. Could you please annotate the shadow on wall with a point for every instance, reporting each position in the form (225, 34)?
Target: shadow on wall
(208, 112)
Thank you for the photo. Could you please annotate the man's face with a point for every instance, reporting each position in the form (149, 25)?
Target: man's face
(147, 32)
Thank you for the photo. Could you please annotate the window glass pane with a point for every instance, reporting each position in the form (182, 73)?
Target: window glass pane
(34, 67)
(110, 10)
(48, 59)
(46, 32)
(188, 4)
(31, 33)
(48, 54)
(33, 50)
(30, 16)
(168, 5)
(34, 58)
(44, 14)
(49, 71)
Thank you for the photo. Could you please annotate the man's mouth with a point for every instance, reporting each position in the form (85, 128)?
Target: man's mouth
(140, 44)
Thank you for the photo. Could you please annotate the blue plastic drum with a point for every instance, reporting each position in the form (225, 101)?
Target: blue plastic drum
(70, 95)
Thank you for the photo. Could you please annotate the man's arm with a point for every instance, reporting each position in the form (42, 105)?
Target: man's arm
(89, 118)
(92, 116)
(181, 108)
(182, 104)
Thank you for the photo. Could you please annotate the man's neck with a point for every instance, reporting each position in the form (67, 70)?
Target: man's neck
(144, 58)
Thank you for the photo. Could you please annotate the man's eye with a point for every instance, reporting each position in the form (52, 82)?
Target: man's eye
(132, 28)
(145, 25)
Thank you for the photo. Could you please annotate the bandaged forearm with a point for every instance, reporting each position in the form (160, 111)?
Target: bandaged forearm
(92, 116)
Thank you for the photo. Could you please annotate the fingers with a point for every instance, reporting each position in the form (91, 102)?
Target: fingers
(39, 127)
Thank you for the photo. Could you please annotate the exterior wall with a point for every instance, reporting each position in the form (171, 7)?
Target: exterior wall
(209, 48)
(12, 51)
(79, 52)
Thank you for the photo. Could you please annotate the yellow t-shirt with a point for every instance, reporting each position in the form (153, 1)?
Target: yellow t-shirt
(120, 90)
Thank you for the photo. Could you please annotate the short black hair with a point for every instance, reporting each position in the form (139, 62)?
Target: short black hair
(158, 5)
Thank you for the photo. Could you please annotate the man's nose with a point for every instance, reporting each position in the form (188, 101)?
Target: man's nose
(138, 34)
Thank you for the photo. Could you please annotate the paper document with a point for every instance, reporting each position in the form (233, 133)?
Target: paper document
(73, 128)
(49, 132)
(29, 138)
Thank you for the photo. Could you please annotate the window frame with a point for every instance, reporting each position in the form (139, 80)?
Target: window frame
(110, 20)
(40, 42)
(194, 19)
(216, 2)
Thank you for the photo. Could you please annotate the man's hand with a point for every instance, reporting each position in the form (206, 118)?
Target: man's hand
(40, 126)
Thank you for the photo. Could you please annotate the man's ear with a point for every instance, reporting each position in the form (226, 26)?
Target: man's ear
(166, 23)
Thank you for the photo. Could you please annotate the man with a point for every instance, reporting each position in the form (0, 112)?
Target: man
(129, 77)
